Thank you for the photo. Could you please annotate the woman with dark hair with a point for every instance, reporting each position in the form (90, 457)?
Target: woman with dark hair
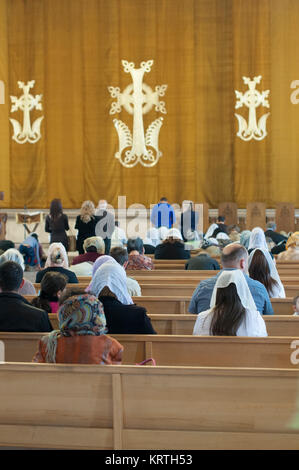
(261, 267)
(57, 223)
(232, 309)
(52, 286)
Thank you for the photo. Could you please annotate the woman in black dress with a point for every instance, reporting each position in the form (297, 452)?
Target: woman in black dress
(57, 224)
(85, 224)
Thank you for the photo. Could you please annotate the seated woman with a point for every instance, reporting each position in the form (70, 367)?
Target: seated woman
(51, 289)
(81, 336)
(257, 240)
(232, 309)
(262, 268)
(93, 248)
(292, 249)
(172, 247)
(26, 288)
(123, 317)
(57, 261)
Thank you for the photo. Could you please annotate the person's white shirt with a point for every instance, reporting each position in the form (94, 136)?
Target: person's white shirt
(82, 269)
(253, 324)
(133, 287)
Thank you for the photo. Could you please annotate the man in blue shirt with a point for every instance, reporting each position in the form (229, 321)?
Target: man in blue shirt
(163, 214)
(234, 256)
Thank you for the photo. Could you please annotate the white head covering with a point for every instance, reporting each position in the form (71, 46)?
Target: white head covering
(57, 256)
(234, 276)
(154, 236)
(175, 233)
(113, 276)
(272, 267)
(222, 236)
(257, 239)
(13, 255)
(210, 231)
(163, 233)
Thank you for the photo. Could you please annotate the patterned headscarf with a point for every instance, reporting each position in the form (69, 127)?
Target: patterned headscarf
(79, 315)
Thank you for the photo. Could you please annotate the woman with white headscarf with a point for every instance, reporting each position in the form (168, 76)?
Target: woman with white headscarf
(57, 261)
(172, 247)
(122, 315)
(232, 309)
(26, 288)
(257, 240)
(262, 268)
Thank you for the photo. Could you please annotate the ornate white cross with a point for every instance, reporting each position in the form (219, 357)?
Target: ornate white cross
(26, 103)
(138, 99)
(252, 99)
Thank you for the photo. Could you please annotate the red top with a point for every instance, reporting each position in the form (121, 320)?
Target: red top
(86, 257)
(83, 349)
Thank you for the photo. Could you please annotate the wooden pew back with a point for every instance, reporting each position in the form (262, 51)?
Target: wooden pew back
(274, 352)
(128, 407)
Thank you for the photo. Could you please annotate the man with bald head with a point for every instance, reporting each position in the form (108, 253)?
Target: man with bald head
(234, 256)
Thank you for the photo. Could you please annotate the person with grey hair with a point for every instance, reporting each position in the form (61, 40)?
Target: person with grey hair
(202, 261)
(26, 287)
(275, 236)
(234, 256)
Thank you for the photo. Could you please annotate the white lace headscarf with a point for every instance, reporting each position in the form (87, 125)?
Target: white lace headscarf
(257, 239)
(175, 233)
(111, 275)
(210, 231)
(234, 276)
(57, 256)
(154, 236)
(272, 267)
(13, 255)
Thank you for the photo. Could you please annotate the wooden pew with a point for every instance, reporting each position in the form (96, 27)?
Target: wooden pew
(174, 305)
(213, 351)
(129, 407)
(277, 325)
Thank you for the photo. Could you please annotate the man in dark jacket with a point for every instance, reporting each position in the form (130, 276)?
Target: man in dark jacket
(202, 261)
(16, 314)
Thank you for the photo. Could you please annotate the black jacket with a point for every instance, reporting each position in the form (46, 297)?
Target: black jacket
(202, 261)
(126, 319)
(16, 314)
(275, 237)
(172, 251)
(72, 278)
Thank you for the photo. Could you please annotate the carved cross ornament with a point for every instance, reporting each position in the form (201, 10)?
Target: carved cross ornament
(138, 99)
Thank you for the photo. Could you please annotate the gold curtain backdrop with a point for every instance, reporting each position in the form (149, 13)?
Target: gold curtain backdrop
(201, 50)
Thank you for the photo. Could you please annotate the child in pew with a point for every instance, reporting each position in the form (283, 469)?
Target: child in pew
(52, 286)
(81, 337)
(233, 311)
(296, 305)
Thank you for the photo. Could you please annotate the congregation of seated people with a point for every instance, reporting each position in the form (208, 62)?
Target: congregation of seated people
(231, 303)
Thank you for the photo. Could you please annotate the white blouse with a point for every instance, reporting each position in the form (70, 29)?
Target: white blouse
(253, 324)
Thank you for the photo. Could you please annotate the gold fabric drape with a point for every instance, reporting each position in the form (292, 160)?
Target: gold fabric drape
(201, 50)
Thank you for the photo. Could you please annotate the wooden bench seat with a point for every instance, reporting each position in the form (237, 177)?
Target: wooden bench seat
(178, 350)
(179, 305)
(133, 407)
(277, 325)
